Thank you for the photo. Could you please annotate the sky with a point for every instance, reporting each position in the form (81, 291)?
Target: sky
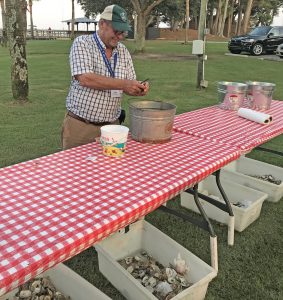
(51, 13)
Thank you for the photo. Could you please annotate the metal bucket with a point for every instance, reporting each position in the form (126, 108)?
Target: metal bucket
(259, 94)
(231, 94)
(151, 121)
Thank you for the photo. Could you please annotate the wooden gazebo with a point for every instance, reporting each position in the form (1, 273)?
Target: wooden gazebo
(84, 20)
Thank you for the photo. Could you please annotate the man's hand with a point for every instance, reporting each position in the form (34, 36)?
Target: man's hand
(135, 88)
(99, 82)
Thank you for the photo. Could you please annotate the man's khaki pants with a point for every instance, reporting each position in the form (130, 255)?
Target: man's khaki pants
(76, 133)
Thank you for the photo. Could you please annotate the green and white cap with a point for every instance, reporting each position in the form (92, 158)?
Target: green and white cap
(118, 16)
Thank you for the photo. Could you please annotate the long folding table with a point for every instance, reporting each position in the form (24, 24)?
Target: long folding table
(226, 127)
(54, 207)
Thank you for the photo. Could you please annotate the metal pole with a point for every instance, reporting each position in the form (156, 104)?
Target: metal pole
(201, 36)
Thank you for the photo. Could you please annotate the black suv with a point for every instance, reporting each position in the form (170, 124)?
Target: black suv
(260, 39)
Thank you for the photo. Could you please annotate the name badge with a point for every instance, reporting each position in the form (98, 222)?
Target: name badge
(116, 93)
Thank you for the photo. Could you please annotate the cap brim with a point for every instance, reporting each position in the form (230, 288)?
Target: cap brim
(121, 26)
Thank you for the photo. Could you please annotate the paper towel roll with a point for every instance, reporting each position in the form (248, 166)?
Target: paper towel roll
(255, 116)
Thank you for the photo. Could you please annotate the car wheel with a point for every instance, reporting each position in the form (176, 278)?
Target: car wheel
(235, 51)
(257, 49)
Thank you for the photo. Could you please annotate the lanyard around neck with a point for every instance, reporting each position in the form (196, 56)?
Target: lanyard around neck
(106, 61)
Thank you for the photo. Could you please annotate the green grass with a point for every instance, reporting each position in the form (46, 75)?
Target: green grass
(252, 269)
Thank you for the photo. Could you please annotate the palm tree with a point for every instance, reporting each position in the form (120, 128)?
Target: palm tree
(73, 20)
(16, 24)
(30, 2)
(4, 37)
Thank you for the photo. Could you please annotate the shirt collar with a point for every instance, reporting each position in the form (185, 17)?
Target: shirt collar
(103, 45)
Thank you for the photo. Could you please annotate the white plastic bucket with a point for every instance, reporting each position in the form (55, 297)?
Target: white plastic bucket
(113, 139)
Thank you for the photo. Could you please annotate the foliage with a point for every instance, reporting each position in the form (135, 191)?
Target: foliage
(93, 8)
(172, 11)
(252, 268)
(263, 11)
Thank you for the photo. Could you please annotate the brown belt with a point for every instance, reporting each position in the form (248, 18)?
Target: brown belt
(72, 115)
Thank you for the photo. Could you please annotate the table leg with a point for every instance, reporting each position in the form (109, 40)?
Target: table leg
(213, 237)
(223, 206)
(204, 224)
(231, 222)
(214, 252)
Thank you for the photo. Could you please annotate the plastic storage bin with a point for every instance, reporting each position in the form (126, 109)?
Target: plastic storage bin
(69, 283)
(237, 170)
(244, 216)
(144, 236)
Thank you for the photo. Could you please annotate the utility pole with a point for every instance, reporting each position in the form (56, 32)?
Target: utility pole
(187, 21)
(201, 36)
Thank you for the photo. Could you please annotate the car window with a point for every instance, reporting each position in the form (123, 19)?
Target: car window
(281, 31)
(261, 30)
(275, 31)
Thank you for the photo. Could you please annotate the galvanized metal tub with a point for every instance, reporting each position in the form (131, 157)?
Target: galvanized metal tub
(259, 94)
(231, 95)
(151, 121)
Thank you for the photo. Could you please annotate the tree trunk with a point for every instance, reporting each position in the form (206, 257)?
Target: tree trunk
(196, 22)
(141, 31)
(220, 20)
(247, 15)
(229, 23)
(73, 21)
(31, 18)
(143, 11)
(218, 13)
(174, 24)
(239, 23)
(4, 37)
(210, 22)
(223, 21)
(16, 27)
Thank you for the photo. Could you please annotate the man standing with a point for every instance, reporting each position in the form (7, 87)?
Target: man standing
(102, 69)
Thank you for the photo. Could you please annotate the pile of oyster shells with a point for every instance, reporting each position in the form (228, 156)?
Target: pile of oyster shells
(39, 289)
(242, 203)
(269, 178)
(163, 282)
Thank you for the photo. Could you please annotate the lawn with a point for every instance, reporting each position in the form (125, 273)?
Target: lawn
(253, 268)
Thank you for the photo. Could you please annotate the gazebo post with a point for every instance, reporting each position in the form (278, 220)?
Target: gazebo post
(86, 26)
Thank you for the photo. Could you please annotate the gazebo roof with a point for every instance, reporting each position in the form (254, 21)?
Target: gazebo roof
(81, 20)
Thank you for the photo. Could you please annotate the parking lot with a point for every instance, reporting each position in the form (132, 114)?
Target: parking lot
(261, 57)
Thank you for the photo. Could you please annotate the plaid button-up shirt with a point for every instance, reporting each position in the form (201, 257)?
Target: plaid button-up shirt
(91, 104)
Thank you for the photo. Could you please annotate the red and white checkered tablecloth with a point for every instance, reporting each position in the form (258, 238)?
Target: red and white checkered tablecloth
(54, 207)
(227, 127)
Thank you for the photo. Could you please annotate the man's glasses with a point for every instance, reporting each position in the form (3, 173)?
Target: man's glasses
(116, 32)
